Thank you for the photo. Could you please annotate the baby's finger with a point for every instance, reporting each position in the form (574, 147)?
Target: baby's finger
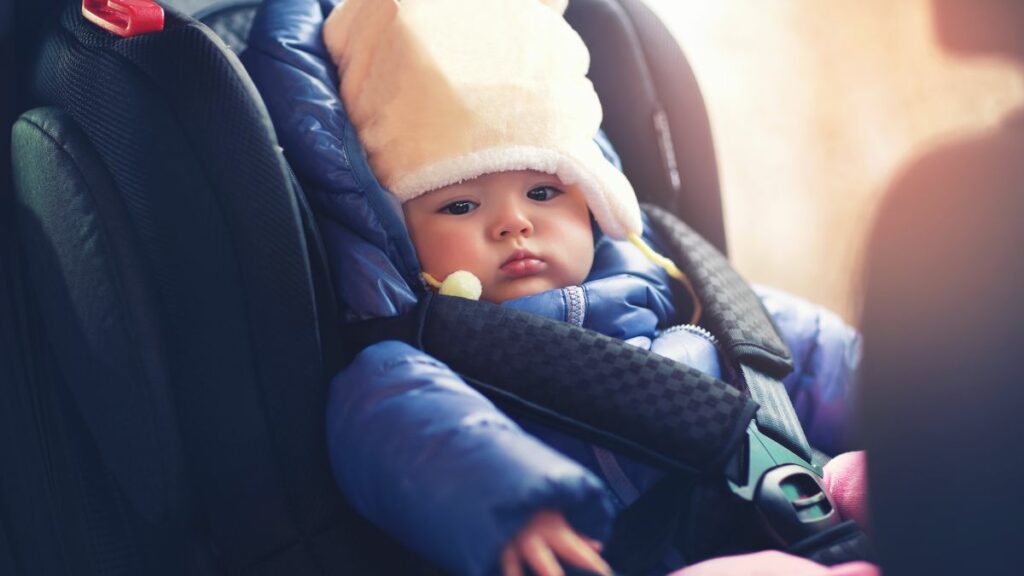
(539, 556)
(510, 565)
(597, 545)
(576, 551)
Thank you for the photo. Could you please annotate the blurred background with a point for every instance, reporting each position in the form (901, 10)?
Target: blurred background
(814, 107)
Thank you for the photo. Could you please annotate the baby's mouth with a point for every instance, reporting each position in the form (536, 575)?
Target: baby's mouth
(523, 263)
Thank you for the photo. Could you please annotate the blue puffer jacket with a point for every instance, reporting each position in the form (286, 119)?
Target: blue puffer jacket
(413, 447)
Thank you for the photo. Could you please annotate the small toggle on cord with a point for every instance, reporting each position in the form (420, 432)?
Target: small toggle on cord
(459, 283)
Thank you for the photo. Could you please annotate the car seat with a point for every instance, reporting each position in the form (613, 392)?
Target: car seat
(173, 326)
(173, 293)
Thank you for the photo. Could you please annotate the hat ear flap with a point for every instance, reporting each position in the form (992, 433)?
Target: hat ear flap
(355, 25)
(352, 33)
(558, 6)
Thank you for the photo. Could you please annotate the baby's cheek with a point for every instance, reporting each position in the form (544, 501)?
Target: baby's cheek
(444, 253)
(580, 259)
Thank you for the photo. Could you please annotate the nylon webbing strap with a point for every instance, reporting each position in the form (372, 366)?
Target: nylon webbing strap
(776, 418)
(847, 542)
(735, 315)
(615, 393)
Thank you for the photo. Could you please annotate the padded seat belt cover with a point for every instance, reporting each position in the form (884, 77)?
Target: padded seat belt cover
(677, 416)
(734, 313)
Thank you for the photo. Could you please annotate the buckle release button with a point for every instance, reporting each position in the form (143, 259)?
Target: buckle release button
(793, 504)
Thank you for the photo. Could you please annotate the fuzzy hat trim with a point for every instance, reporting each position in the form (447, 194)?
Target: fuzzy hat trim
(616, 219)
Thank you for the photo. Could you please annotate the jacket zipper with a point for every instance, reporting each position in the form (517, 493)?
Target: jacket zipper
(692, 329)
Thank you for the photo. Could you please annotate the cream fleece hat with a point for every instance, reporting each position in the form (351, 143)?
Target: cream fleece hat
(443, 91)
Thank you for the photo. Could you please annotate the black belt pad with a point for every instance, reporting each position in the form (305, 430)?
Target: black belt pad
(678, 414)
(732, 311)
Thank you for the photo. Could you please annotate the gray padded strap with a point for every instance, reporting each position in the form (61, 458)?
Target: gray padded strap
(776, 418)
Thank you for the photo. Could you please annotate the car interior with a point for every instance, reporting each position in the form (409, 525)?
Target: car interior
(169, 328)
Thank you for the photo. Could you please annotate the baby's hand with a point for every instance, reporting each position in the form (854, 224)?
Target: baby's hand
(546, 539)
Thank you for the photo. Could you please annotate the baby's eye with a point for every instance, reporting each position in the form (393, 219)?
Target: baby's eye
(459, 207)
(543, 193)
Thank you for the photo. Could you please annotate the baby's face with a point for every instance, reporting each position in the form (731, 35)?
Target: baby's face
(519, 232)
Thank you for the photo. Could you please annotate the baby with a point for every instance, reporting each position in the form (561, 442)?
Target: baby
(520, 233)
(478, 117)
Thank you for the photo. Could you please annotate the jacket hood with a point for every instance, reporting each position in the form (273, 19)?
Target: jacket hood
(364, 232)
(290, 64)
(374, 264)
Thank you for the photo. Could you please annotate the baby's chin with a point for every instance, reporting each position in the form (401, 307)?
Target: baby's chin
(519, 288)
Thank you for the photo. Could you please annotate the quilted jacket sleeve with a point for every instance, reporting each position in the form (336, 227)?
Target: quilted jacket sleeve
(437, 466)
(826, 355)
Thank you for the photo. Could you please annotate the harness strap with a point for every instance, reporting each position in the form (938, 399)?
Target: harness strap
(776, 418)
(735, 315)
(578, 380)
(647, 528)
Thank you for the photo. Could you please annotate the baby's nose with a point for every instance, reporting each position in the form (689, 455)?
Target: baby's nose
(514, 224)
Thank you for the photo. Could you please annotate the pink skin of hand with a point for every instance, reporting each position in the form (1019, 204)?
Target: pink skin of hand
(545, 539)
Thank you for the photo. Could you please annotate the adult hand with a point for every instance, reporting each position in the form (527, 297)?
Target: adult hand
(546, 539)
(774, 563)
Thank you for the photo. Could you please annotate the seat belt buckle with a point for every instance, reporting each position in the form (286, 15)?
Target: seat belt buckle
(125, 18)
(785, 490)
(793, 504)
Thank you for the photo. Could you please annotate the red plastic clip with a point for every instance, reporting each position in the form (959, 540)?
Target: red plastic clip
(126, 18)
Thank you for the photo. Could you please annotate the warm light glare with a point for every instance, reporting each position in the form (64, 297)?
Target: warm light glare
(814, 108)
